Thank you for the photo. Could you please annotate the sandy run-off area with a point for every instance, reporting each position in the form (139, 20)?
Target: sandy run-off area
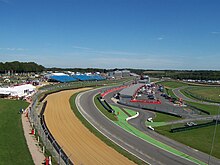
(76, 140)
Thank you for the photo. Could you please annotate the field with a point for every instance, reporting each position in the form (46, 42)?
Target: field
(200, 139)
(212, 109)
(205, 93)
(172, 84)
(160, 117)
(13, 147)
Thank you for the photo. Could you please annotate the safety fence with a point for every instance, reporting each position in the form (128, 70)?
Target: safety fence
(180, 129)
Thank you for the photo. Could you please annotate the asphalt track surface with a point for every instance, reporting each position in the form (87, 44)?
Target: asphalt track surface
(128, 141)
(139, 123)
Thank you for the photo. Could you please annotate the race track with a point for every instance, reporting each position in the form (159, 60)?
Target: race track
(76, 140)
(147, 152)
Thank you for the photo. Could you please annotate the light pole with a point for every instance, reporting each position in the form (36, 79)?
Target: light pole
(213, 139)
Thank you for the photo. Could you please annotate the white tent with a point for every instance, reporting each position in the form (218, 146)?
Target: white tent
(18, 91)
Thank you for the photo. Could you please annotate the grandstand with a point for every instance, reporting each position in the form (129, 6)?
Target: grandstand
(84, 77)
(63, 78)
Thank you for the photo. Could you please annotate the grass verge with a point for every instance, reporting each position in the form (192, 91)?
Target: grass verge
(212, 109)
(160, 117)
(209, 94)
(99, 135)
(109, 115)
(13, 146)
(173, 84)
(200, 139)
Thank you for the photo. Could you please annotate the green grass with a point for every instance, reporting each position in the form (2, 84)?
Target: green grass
(111, 116)
(99, 135)
(172, 84)
(131, 112)
(169, 92)
(13, 147)
(200, 139)
(155, 124)
(160, 117)
(212, 109)
(205, 93)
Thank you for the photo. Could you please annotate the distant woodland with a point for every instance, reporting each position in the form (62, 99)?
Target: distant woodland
(185, 74)
(19, 67)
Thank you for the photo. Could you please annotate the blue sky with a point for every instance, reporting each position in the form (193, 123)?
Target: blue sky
(148, 34)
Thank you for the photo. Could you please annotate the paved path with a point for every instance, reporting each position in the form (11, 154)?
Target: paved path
(36, 153)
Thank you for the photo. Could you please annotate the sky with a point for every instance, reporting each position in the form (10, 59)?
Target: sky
(145, 34)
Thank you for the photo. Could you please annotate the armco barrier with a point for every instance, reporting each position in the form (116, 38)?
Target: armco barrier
(54, 143)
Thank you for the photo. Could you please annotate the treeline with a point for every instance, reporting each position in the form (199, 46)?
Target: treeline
(81, 70)
(19, 67)
(186, 74)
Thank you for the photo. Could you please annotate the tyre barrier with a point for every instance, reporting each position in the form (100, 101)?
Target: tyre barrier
(106, 106)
